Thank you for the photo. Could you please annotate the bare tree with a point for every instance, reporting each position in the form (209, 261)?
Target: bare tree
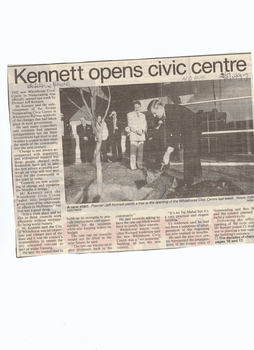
(90, 114)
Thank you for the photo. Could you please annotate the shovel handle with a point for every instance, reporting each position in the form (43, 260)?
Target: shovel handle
(162, 166)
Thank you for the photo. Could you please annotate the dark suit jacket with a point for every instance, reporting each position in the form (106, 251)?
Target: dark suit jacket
(114, 135)
(85, 132)
(183, 122)
(167, 130)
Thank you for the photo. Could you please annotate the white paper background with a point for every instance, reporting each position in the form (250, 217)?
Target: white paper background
(196, 298)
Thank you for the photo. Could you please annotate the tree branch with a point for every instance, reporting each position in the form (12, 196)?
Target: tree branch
(109, 101)
(74, 103)
(85, 103)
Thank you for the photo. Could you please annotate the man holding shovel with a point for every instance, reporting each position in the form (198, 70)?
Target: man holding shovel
(178, 124)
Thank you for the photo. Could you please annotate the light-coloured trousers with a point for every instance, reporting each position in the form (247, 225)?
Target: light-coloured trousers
(136, 154)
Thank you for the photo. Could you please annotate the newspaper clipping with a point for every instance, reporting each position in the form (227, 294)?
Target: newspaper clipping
(132, 154)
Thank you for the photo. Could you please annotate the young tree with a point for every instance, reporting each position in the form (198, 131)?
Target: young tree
(90, 114)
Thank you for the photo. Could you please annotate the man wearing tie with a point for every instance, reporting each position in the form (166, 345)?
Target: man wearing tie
(115, 137)
(137, 127)
(86, 141)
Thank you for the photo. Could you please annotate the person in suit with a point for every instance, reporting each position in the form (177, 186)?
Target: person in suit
(137, 127)
(160, 143)
(102, 129)
(86, 141)
(178, 124)
(115, 137)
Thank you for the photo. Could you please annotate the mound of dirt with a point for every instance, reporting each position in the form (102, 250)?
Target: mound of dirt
(208, 188)
(115, 193)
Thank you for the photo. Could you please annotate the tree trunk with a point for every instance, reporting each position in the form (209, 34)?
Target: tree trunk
(97, 154)
(97, 159)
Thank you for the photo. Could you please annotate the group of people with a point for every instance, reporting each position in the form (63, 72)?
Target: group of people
(110, 133)
(172, 125)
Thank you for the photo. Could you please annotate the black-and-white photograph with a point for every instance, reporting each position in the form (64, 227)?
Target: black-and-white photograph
(157, 141)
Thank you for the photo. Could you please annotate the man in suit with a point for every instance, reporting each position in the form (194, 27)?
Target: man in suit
(137, 127)
(86, 141)
(115, 137)
(179, 125)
